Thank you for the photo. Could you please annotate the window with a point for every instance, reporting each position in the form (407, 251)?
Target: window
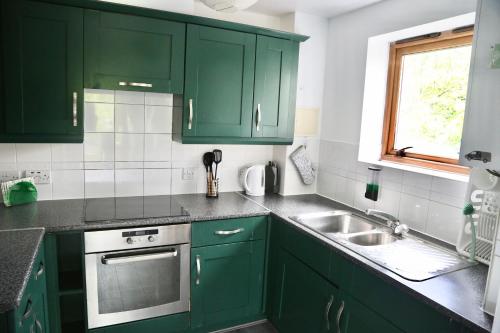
(427, 89)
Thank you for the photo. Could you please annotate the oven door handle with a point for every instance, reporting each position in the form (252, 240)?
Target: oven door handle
(139, 257)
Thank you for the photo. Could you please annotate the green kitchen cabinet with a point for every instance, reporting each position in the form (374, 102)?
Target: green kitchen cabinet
(42, 46)
(219, 78)
(31, 316)
(304, 301)
(128, 52)
(353, 317)
(227, 285)
(275, 86)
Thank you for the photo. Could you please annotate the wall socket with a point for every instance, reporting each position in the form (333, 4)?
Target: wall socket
(188, 173)
(39, 176)
(6, 176)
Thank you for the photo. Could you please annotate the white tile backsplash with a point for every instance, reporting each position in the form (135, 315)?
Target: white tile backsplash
(129, 118)
(67, 184)
(129, 97)
(99, 147)
(158, 147)
(427, 204)
(128, 150)
(33, 152)
(8, 153)
(99, 183)
(129, 182)
(129, 147)
(99, 117)
(158, 119)
(157, 181)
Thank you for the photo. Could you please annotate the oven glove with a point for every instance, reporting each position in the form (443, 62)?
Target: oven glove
(303, 165)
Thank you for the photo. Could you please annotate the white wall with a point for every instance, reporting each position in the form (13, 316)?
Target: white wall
(311, 73)
(195, 7)
(428, 204)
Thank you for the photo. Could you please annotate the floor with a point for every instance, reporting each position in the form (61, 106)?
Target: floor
(260, 328)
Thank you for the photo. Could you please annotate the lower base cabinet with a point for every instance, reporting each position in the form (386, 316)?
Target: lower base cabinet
(226, 285)
(307, 302)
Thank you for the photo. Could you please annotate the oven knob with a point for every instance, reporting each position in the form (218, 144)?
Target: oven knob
(151, 239)
(130, 240)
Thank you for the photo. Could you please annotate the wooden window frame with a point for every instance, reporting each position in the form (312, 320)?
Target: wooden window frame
(447, 39)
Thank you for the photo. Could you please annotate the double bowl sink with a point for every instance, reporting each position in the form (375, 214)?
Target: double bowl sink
(410, 257)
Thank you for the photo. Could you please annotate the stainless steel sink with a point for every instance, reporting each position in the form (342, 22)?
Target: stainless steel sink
(407, 256)
(336, 222)
(372, 239)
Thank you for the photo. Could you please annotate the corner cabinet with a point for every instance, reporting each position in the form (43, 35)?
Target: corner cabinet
(43, 66)
(240, 87)
(31, 316)
(127, 52)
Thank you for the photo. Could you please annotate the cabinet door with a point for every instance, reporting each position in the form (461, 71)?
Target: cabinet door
(353, 317)
(305, 302)
(43, 64)
(275, 87)
(126, 52)
(226, 284)
(219, 83)
(482, 116)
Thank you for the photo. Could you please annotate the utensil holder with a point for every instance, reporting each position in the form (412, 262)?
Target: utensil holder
(212, 187)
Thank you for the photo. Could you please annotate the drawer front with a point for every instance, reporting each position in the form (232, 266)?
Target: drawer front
(228, 231)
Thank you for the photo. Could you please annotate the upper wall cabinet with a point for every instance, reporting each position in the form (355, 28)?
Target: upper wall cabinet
(43, 66)
(218, 95)
(481, 133)
(240, 87)
(126, 52)
(275, 87)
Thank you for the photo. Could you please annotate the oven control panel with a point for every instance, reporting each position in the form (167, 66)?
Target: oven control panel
(140, 236)
(135, 238)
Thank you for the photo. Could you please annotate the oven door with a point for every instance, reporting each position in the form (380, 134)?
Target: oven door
(125, 286)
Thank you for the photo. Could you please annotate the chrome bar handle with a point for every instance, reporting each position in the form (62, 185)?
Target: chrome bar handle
(135, 84)
(229, 232)
(339, 316)
(258, 117)
(327, 312)
(41, 269)
(140, 84)
(39, 325)
(198, 270)
(29, 309)
(190, 121)
(75, 109)
(139, 257)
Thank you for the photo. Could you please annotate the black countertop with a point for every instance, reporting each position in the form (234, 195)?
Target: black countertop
(18, 250)
(458, 294)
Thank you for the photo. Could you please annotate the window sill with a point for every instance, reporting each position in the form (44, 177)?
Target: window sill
(426, 171)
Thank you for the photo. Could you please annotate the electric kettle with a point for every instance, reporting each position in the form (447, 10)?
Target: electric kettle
(253, 180)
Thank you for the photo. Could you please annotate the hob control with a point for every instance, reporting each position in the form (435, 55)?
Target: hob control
(151, 238)
(130, 240)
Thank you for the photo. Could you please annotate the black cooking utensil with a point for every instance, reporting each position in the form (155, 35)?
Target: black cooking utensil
(206, 160)
(217, 159)
(210, 160)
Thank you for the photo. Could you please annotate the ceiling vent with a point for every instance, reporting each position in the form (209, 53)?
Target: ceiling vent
(229, 6)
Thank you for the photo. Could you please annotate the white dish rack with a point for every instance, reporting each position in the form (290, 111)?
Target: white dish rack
(485, 217)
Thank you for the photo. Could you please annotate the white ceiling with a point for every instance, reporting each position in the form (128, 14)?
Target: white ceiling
(325, 8)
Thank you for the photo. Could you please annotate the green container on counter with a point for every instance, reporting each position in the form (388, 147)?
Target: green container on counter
(21, 193)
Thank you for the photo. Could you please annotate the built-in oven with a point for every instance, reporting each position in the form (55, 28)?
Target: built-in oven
(138, 273)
